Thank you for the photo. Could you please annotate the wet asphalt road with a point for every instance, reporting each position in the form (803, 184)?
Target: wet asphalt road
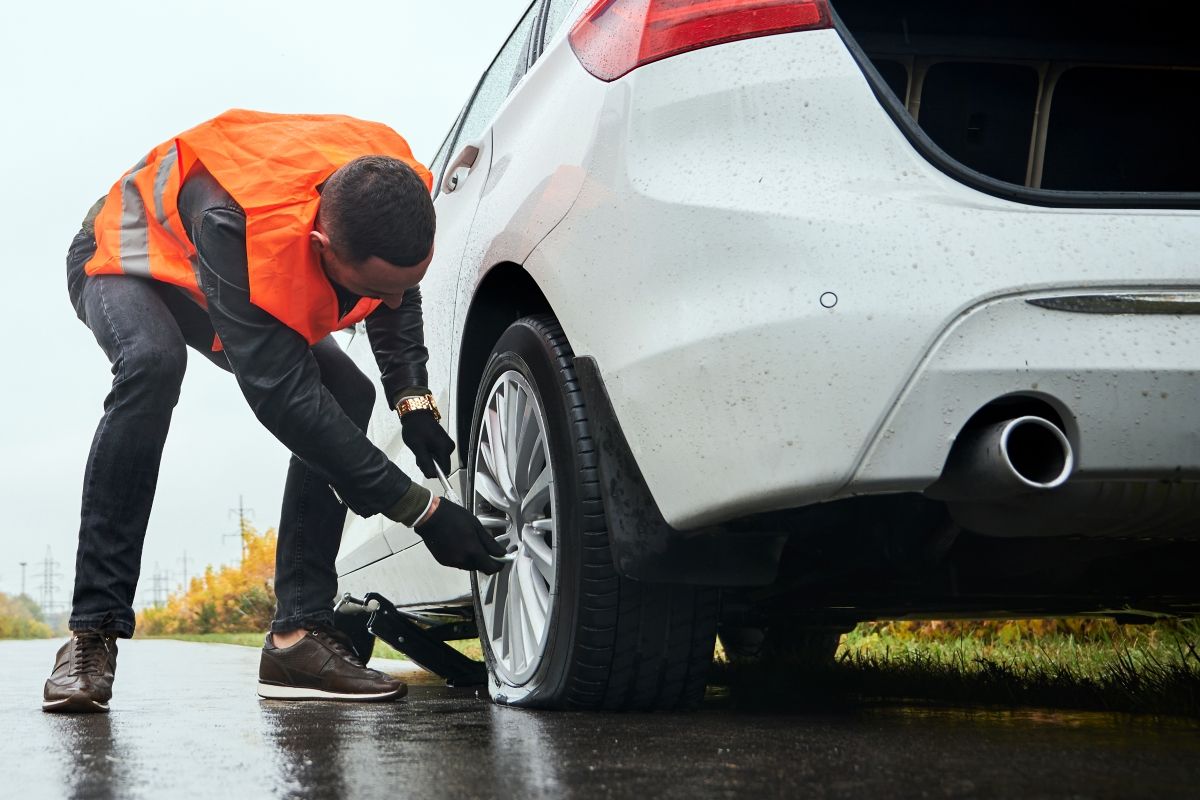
(186, 723)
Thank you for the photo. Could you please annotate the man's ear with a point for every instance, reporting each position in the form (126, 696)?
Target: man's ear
(317, 241)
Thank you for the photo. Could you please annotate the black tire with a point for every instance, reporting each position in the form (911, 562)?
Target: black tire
(611, 643)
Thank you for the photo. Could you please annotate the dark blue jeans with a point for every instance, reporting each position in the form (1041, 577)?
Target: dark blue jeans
(144, 328)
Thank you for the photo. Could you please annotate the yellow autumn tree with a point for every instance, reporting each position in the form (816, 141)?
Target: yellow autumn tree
(231, 599)
(20, 618)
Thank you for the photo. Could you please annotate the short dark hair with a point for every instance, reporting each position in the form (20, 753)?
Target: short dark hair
(378, 206)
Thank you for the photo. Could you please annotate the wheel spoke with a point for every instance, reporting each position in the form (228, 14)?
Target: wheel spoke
(500, 610)
(486, 488)
(503, 471)
(527, 435)
(539, 493)
(493, 523)
(537, 459)
(489, 434)
(543, 595)
(532, 615)
(516, 422)
(530, 599)
(541, 555)
(541, 590)
(515, 625)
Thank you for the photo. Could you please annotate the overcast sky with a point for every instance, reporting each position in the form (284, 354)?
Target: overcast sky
(86, 90)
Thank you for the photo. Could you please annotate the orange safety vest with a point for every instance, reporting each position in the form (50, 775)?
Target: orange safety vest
(271, 164)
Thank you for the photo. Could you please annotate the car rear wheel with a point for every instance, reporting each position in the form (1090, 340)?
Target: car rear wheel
(560, 628)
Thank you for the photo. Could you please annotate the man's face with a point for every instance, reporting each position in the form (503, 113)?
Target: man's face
(372, 278)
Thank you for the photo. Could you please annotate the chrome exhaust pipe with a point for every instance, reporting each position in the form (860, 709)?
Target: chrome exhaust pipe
(1018, 456)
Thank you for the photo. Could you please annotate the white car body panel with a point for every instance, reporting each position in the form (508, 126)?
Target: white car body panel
(728, 361)
(409, 578)
(684, 223)
(535, 177)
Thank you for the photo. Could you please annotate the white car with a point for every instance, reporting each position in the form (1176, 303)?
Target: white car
(774, 317)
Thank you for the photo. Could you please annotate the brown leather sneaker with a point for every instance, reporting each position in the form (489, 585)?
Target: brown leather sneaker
(83, 674)
(321, 666)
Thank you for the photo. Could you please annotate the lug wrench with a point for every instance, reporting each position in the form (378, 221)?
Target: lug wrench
(453, 497)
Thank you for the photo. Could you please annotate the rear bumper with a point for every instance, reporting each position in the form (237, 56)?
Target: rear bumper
(790, 305)
(1126, 386)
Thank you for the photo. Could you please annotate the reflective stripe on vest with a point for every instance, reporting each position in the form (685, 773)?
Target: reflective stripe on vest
(129, 241)
(135, 233)
(160, 184)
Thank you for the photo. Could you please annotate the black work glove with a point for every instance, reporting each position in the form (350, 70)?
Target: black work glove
(455, 538)
(427, 440)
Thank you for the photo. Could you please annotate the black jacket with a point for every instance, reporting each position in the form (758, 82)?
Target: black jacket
(277, 373)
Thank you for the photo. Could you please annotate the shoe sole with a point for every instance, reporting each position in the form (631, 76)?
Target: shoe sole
(76, 704)
(271, 691)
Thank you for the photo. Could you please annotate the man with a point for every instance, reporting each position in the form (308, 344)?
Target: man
(250, 238)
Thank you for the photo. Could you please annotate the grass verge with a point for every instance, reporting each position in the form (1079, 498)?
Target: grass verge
(1101, 666)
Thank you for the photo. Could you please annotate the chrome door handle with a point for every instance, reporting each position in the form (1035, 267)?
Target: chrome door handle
(461, 166)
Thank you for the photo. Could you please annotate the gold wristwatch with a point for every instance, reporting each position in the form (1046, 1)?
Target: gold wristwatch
(418, 403)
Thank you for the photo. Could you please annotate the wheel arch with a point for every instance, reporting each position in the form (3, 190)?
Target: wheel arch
(653, 550)
(645, 546)
(506, 293)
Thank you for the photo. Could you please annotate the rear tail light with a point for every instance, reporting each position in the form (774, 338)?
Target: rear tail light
(617, 36)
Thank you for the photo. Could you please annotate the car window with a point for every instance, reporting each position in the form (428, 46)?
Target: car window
(559, 9)
(496, 82)
(525, 59)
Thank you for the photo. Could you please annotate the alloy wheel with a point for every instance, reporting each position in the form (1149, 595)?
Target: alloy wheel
(513, 496)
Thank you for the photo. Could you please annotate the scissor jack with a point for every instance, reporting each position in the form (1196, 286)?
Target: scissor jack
(375, 616)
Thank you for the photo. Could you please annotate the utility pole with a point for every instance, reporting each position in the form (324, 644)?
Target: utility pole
(160, 585)
(23, 563)
(50, 575)
(243, 531)
(184, 560)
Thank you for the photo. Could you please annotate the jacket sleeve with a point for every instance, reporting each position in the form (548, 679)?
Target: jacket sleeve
(279, 376)
(397, 337)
